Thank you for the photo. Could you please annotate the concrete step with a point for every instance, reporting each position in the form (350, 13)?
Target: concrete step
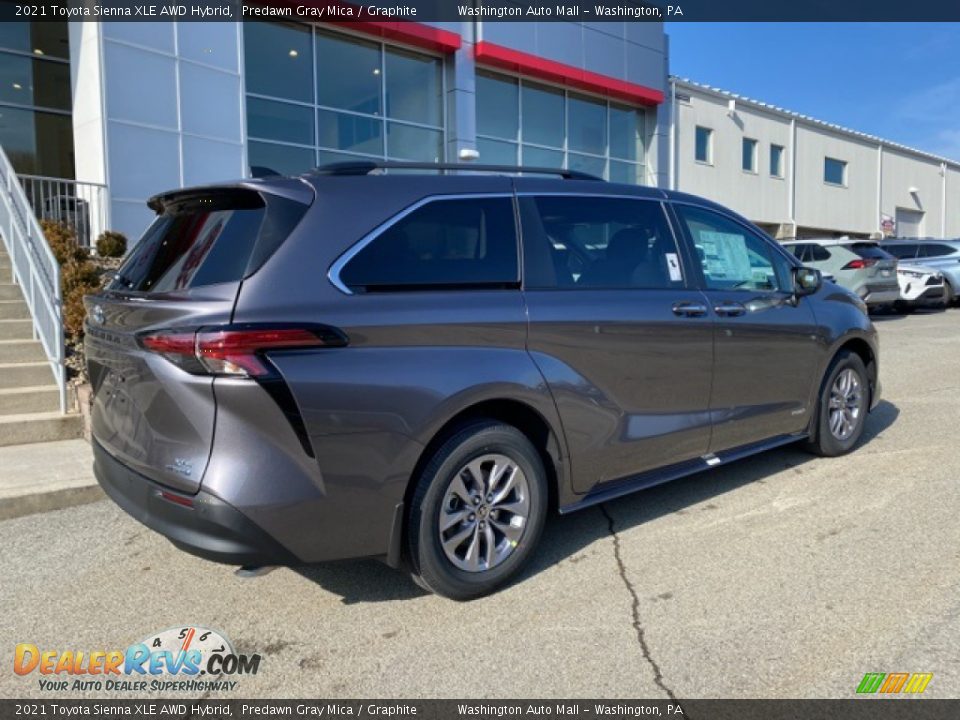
(9, 291)
(13, 310)
(14, 375)
(5, 265)
(30, 399)
(24, 428)
(16, 330)
(46, 476)
(20, 351)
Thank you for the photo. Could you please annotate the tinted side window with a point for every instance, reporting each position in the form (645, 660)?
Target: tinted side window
(200, 241)
(798, 251)
(732, 257)
(870, 250)
(818, 253)
(904, 252)
(598, 242)
(442, 244)
(935, 250)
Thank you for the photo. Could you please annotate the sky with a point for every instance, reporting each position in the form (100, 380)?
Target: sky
(898, 81)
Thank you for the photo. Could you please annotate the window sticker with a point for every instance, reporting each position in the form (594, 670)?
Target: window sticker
(673, 267)
(725, 256)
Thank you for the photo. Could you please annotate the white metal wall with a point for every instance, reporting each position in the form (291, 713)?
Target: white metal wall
(881, 176)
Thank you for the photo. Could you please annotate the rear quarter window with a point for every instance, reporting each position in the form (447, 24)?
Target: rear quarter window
(443, 244)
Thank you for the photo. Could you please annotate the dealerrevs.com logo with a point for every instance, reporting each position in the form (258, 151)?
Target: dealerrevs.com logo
(190, 659)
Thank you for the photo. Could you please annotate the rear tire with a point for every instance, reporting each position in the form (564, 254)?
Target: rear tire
(949, 295)
(478, 510)
(842, 406)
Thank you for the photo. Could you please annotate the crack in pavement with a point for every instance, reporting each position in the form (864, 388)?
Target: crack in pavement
(641, 635)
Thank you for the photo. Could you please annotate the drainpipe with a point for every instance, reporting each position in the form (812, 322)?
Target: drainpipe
(792, 177)
(673, 134)
(943, 200)
(879, 188)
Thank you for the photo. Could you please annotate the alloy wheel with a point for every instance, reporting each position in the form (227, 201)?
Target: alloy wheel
(846, 404)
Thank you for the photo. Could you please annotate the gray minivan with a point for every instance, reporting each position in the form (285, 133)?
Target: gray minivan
(419, 367)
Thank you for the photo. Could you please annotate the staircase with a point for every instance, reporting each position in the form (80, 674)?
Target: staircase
(29, 396)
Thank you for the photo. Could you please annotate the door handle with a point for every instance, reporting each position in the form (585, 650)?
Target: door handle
(730, 309)
(689, 309)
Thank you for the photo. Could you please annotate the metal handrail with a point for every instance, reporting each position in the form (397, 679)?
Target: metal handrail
(78, 204)
(35, 269)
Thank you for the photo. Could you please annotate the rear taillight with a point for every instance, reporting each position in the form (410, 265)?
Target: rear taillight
(236, 350)
(860, 263)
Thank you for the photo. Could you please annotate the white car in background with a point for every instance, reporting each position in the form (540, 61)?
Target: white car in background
(920, 286)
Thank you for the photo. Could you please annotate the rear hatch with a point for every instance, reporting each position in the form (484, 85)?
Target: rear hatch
(154, 409)
(880, 266)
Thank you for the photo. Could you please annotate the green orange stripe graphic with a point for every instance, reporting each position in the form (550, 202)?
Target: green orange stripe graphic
(893, 683)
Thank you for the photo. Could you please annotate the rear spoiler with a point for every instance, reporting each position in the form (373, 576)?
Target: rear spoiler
(291, 188)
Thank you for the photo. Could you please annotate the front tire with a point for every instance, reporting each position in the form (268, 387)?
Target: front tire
(843, 406)
(477, 511)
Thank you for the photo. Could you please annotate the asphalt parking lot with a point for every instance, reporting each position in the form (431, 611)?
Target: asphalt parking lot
(783, 575)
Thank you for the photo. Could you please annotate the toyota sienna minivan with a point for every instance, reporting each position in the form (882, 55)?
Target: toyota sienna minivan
(419, 367)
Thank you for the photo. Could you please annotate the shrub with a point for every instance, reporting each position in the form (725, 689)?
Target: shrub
(62, 239)
(78, 275)
(111, 244)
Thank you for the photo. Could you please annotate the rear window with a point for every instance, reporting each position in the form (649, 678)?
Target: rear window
(870, 250)
(206, 239)
(458, 243)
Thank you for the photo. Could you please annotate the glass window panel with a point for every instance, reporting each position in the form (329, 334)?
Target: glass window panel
(444, 243)
(340, 131)
(37, 143)
(497, 106)
(626, 133)
(26, 81)
(834, 171)
(540, 157)
(282, 159)
(588, 164)
(623, 172)
(279, 121)
(405, 142)
(329, 156)
(413, 87)
(542, 115)
(48, 39)
(497, 152)
(776, 161)
(348, 74)
(704, 145)
(749, 158)
(587, 125)
(278, 60)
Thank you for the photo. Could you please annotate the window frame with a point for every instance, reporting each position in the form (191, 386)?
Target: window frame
(781, 169)
(775, 248)
(333, 272)
(385, 121)
(709, 159)
(843, 172)
(640, 165)
(688, 281)
(754, 146)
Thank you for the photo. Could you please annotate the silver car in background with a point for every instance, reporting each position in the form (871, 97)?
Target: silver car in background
(861, 266)
(942, 255)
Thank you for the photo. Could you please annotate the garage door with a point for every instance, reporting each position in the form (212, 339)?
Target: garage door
(909, 223)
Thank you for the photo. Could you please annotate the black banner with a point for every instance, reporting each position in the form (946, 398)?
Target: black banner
(855, 709)
(470, 10)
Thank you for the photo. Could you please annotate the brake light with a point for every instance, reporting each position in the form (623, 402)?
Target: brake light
(860, 263)
(236, 351)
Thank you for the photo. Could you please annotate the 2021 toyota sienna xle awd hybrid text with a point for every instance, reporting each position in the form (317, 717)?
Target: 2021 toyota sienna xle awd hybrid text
(419, 367)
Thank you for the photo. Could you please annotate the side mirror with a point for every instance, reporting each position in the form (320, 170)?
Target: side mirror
(806, 281)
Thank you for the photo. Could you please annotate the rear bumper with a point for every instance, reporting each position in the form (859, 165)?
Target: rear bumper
(880, 294)
(210, 528)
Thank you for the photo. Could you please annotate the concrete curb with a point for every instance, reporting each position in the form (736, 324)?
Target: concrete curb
(40, 502)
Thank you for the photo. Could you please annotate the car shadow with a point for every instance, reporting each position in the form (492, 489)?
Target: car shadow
(566, 536)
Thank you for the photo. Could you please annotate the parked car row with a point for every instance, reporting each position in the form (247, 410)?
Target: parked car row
(904, 275)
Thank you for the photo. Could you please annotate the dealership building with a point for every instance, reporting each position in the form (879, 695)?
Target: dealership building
(111, 113)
